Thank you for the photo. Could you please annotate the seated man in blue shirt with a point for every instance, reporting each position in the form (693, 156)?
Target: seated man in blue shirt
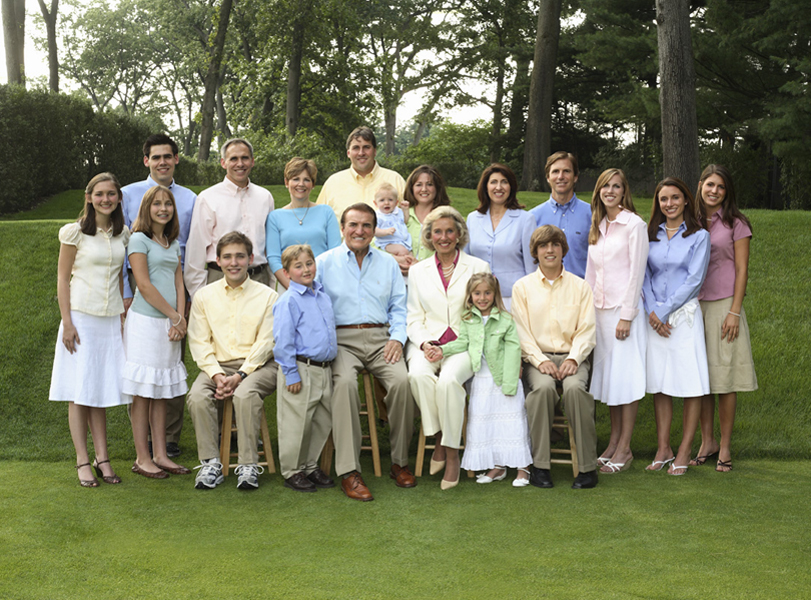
(304, 330)
(369, 299)
(566, 211)
(161, 158)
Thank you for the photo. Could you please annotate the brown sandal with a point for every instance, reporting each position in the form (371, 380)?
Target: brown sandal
(87, 482)
(726, 464)
(112, 478)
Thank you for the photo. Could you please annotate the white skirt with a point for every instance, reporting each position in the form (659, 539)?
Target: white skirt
(497, 430)
(153, 368)
(618, 372)
(91, 376)
(677, 365)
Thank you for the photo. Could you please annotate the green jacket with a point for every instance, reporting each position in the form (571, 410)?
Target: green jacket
(498, 339)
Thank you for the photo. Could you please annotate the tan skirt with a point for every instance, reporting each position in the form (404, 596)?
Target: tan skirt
(731, 366)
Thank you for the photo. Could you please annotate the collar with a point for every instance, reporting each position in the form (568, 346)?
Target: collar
(719, 214)
(371, 175)
(233, 188)
(351, 255)
(240, 287)
(623, 218)
(570, 205)
(551, 282)
(303, 289)
(663, 226)
(495, 313)
(455, 260)
(152, 182)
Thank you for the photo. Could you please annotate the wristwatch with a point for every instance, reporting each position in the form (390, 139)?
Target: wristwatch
(242, 374)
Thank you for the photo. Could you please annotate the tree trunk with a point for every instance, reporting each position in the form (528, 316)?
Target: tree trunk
(50, 28)
(222, 120)
(294, 78)
(14, 38)
(520, 89)
(677, 95)
(211, 81)
(390, 113)
(498, 113)
(538, 140)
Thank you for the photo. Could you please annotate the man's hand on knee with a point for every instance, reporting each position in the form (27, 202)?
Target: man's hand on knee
(569, 367)
(547, 367)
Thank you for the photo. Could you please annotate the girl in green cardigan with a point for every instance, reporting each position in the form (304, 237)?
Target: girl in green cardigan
(497, 431)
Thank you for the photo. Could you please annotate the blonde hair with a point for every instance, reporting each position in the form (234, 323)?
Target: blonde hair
(291, 253)
(143, 222)
(386, 187)
(598, 211)
(475, 280)
(298, 165)
(444, 212)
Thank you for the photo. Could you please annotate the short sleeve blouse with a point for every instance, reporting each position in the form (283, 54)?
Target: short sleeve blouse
(162, 264)
(94, 279)
(720, 281)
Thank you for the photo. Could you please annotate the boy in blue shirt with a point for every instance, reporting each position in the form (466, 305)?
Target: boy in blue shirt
(306, 345)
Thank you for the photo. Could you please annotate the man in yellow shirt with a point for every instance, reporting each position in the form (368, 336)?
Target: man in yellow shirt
(557, 333)
(231, 339)
(359, 182)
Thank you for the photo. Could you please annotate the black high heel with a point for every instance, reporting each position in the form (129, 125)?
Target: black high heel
(111, 479)
(87, 482)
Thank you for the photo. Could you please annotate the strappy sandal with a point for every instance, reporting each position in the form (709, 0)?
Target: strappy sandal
(87, 482)
(106, 479)
(700, 460)
(726, 464)
(658, 465)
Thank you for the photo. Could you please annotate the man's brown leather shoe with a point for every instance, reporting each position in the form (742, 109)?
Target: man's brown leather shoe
(402, 476)
(355, 489)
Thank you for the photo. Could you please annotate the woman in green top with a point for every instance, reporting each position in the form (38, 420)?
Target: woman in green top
(424, 191)
(497, 429)
(154, 329)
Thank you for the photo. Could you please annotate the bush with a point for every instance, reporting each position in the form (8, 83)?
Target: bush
(53, 142)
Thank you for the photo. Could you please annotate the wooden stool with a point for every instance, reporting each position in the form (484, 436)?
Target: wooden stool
(561, 423)
(367, 409)
(229, 426)
(422, 446)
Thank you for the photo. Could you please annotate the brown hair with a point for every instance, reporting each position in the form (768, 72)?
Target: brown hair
(472, 283)
(544, 235)
(562, 156)
(692, 217)
(484, 197)
(291, 253)
(729, 206)
(444, 212)
(87, 218)
(441, 198)
(297, 165)
(363, 132)
(235, 237)
(143, 222)
(598, 211)
(362, 207)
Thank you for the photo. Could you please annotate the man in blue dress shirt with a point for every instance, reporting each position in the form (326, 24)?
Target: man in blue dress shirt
(161, 158)
(566, 211)
(369, 299)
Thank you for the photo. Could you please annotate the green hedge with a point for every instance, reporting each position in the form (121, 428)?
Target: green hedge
(53, 142)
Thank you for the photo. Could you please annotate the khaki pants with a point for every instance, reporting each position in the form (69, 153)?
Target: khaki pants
(248, 402)
(304, 420)
(360, 349)
(578, 406)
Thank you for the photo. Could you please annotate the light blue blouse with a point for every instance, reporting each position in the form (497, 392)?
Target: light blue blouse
(162, 264)
(506, 249)
(319, 229)
(676, 270)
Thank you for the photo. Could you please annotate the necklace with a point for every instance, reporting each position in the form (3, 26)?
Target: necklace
(448, 271)
(673, 228)
(301, 220)
(166, 245)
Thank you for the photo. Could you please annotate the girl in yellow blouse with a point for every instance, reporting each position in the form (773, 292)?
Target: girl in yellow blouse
(89, 355)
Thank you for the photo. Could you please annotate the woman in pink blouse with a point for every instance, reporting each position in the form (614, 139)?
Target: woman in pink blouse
(729, 353)
(618, 254)
(89, 358)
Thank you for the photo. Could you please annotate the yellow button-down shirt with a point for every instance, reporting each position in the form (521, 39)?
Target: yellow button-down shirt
(345, 188)
(232, 324)
(94, 281)
(559, 318)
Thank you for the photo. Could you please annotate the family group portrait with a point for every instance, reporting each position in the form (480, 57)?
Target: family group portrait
(401, 298)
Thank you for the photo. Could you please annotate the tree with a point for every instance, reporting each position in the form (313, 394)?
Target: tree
(212, 79)
(14, 39)
(539, 121)
(50, 28)
(678, 92)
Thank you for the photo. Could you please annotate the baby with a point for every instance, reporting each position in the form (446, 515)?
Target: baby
(391, 233)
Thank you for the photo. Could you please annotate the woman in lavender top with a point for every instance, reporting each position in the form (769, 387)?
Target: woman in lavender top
(729, 353)
(676, 354)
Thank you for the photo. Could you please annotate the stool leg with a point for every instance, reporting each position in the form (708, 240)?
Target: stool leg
(370, 413)
(420, 453)
(268, 451)
(573, 446)
(225, 437)
(326, 455)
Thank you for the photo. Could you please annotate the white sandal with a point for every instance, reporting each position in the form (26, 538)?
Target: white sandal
(519, 482)
(483, 478)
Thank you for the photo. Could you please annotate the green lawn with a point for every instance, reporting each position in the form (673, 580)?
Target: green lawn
(637, 535)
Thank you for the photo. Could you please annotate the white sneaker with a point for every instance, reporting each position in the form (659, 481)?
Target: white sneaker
(248, 476)
(210, 475)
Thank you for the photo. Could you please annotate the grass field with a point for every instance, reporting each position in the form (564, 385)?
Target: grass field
(637, 535)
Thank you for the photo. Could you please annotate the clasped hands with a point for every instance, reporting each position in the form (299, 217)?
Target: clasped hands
(226, 385)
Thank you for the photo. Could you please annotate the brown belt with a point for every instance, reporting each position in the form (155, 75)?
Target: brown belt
(251, 270)
(314, 363)
(362, 326)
